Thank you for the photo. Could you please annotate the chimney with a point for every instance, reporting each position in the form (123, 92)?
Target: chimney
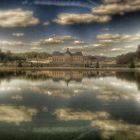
(68, 49)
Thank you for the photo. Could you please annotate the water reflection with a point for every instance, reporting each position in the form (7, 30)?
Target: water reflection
(130, 76)
(68, 115)
(74, 104)
(118, 129)
(13, 114)
(56, 75)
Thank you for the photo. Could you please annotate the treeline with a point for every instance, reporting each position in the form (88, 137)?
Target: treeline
(32, 55)
(129, 57)
(8, 56)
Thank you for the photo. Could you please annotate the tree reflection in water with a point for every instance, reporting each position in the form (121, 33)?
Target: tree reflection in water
(70, 75)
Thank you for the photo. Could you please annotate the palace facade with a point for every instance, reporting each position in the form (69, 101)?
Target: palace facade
(69, 59)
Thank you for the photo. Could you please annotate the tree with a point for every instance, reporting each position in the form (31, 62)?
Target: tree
(97, 65)
(132, 64)
(125, 58)
(138, 52)
(19, 64)
(8, 53)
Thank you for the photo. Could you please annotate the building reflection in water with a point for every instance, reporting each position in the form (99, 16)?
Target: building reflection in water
(67, 75)
(70, 75)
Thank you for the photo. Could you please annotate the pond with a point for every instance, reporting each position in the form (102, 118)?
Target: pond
(69, 105)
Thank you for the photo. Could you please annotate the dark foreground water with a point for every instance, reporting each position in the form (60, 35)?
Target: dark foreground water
(69, 105)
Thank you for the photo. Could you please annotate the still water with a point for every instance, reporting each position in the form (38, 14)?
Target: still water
(69, 105)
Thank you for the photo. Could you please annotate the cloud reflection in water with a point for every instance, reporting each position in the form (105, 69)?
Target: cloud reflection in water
(101, 103)
(16, 115)
(69, 115)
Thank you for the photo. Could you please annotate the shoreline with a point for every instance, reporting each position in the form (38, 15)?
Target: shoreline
(67, 68)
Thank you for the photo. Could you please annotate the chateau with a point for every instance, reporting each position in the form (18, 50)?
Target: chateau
(69, 59)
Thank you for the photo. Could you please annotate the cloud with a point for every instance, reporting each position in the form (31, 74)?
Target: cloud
(11, 43)
(113, 43)
(55, 40)
(77, 3)
(17, 18)
(111, 1)
(36, 48)
(105, 44)
(49, 41)
(117, 49)
(25, 2)
(117, 38)
(79, 42)
(112, 7)
(18, 34)
(69, 115)
(67, 38)
(17, 115)
(46, 23)
(101, 13)
(108, 45)
(70, 19)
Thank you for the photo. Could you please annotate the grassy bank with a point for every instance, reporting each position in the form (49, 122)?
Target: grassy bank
(68, 68)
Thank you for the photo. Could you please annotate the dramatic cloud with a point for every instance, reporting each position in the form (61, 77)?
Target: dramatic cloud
(70, 19)
(105, 44)
(55, 40)
(101, 13)
(110, 44)
(117, 38)
(17, 18)
(77, 3)
(112, 7)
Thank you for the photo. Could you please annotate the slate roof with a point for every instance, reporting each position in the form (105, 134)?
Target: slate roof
(57, 53)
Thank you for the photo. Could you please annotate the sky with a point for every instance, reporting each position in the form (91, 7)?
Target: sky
(95, 27)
